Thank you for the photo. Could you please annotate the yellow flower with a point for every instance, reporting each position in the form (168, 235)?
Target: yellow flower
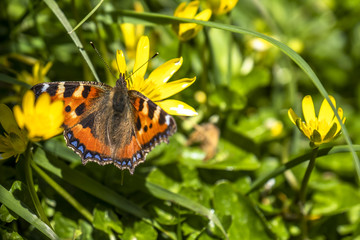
(220, 7)
(14, 140)
(186, 31)
(321, 129)
(132, 33)
(42, 119)
(156, 86)
(39, 72)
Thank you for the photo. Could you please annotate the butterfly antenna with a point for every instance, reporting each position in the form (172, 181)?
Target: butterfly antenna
(157, 53)
(102, 59)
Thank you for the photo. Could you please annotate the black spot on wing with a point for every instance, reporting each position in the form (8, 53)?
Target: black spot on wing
(88, 121)
(67, 108)
(70, 89)
(162, 117)
(138, 124)
(52, 89)
(80, 109)
(37, 89)
(86, 91)
(151, 109)
(145, 128)
(141, 104)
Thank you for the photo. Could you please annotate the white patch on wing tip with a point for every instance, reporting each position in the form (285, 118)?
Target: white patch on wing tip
(45, 87)
(78, 92)
(167, 119)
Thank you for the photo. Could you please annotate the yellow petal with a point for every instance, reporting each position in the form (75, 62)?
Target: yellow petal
(304, 128)
(308, 109)
(335, 120)
(172, 88)
(120, 61)
(326, 113)
(36, 70)
(138, 7)
(42, 104)
(179, 9)
(128, 30)
(19, 116)
(162, 74)
(175, 107)
(142, 57)
(188, 11)
(204, 15)
(46, 69)
(226, 6)
(292, 115)
(187, 31)
(28, 103)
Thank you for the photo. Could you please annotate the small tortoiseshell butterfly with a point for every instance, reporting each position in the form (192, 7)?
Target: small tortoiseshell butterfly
(109, 125)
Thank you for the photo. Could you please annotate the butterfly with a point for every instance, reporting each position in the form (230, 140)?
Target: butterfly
(109, 125)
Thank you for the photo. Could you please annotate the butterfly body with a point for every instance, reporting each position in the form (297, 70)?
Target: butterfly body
(109, 125)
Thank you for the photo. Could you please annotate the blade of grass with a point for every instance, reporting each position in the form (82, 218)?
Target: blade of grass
(20, 209)
(64, 21)
(296, 161)
(87, 17)
(164, 194)
(164, 19)
(94, 188)
(78, 206)
(7, 79)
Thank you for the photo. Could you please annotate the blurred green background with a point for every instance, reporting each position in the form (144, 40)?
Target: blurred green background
(244, 88)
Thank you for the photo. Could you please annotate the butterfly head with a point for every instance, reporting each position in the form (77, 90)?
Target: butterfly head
(121, 82)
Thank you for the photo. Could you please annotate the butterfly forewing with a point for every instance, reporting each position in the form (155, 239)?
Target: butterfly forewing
(77, 96)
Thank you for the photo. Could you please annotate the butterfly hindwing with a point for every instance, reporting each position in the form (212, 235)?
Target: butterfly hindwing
(153, 125)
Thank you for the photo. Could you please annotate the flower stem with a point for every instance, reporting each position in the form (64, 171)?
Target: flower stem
(30, 184)
(302, 194)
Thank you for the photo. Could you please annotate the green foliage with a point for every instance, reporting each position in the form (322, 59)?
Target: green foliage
(251, 66)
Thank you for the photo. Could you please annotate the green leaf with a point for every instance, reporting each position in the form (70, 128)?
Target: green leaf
(333, 197)
(258, 77)
(340, 163)
(86, 230)
(9, 234)
(91, 186)
(107, 221)
(22, 210)
(140, 231)
(226, 99)
(279, 227)
(164, 194)
(229, 158)
(65, 227)
(20, 191)
(245, 222)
